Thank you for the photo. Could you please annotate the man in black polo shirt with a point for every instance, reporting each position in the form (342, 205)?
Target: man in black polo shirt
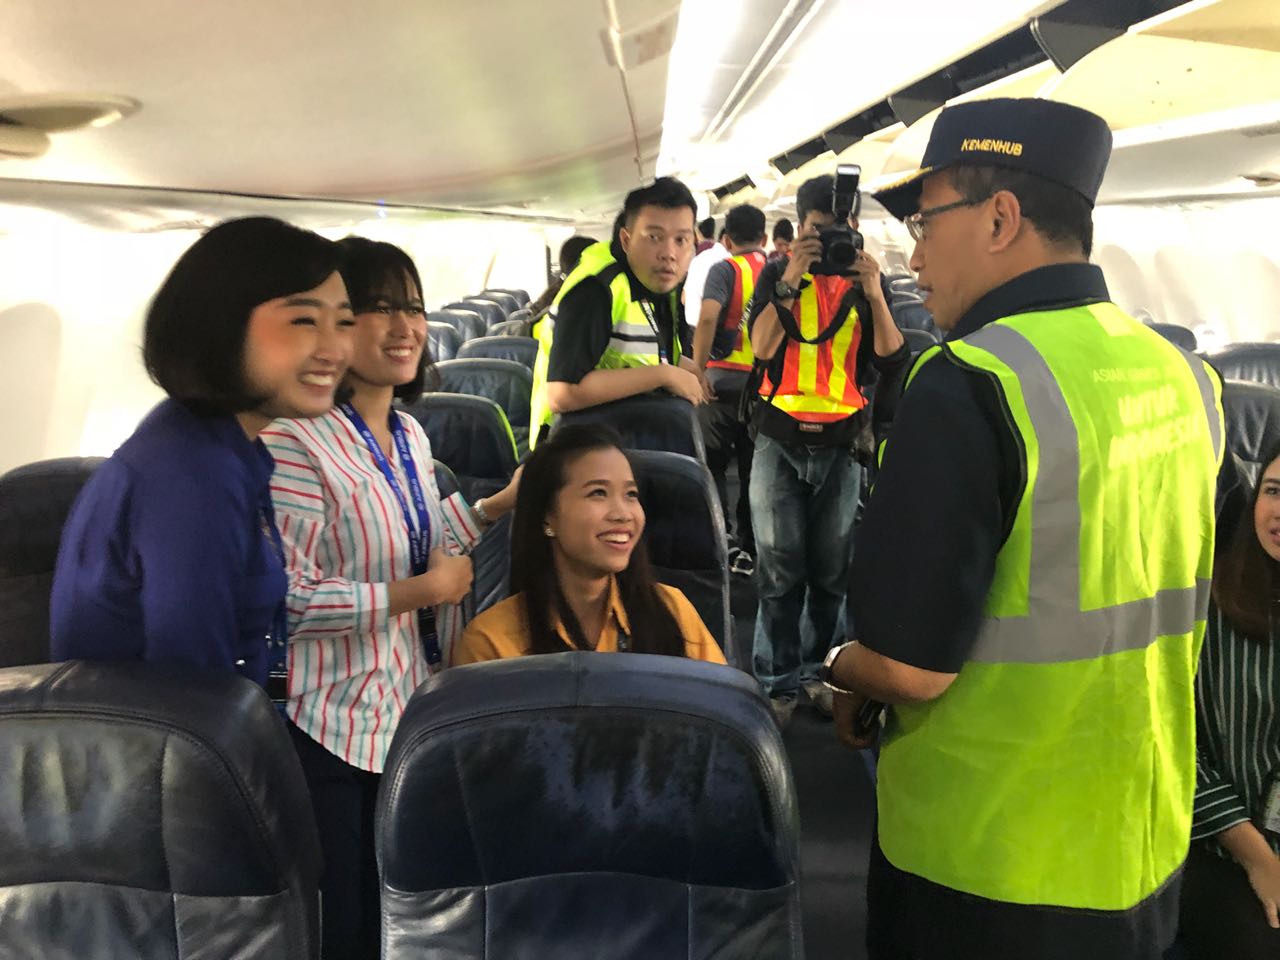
(1020, 591)
(614, 328)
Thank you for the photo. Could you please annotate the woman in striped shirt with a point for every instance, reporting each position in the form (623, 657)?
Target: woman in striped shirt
(376, 570)
(1231, 885)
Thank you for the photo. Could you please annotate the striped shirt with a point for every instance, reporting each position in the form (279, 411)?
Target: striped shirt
(352, 667)
(1237, 730)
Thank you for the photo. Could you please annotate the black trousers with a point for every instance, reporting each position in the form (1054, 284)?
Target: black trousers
(911, 918)
(1221, 916)
(726, 438)
(343, 798)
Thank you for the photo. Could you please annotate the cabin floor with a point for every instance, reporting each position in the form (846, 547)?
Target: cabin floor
(837, 805)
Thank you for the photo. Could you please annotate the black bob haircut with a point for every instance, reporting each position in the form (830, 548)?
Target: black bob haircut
(745, 224)
(377, 272)
(666, 192)
(1059, 214)
(707, 227)
(783, 230)
(194, 335)
(819, 194)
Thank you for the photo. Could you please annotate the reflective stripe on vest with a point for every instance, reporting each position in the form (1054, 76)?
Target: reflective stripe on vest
(819, 381)
(632, 341)
(746, 271)
(1059, 767)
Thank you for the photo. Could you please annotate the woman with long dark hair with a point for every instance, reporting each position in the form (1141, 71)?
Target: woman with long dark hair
(579, 567)
(377, 570)
(1231, 884)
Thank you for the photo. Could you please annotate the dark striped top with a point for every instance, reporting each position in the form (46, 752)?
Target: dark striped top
(1237, 729)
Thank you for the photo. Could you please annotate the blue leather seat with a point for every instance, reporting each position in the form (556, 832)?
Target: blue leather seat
(582, 805)
(491, 310)
(903, 284)
(472, 436)
(1255, 362)
(522, 296)
(1252, 414)
(1176, 334)
(918, 340)
(154, 811)
(490, 556)
(513, 327)
(523, 350)
(444, 340)
(507, 383)
(34, 502)
(912, 315)
(506, 301)
(468, 322)
(524, 313)
(649, 421)
(685, 534)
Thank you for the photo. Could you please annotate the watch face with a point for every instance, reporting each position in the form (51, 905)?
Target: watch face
(784, 290)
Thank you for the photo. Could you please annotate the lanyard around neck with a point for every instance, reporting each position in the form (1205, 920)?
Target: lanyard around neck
(419, 532)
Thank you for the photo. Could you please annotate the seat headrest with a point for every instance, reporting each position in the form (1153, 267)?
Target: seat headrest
(153, 776)
(507, 383)
(684, 525)
(445, 341)
(1178, 335)
(522, 350)
(649, 421)
(1255, 362)
(471, 435)
(34, 502)
(579, 762)
(1252, 414)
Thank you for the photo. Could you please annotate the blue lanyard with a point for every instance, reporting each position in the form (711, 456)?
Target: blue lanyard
(278, 641)
(419, 534)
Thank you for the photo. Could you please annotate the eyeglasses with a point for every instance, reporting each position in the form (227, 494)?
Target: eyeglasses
(414, 311)
(917, 222)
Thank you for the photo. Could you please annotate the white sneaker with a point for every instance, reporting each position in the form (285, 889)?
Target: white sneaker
(819, 695)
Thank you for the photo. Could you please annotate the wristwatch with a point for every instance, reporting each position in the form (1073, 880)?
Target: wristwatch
(481, 514)
(824, 671)
(785, 291)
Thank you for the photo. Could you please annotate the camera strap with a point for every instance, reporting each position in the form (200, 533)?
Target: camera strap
(852, 299)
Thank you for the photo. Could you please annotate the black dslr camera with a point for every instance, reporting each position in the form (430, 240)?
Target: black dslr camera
(840, 242)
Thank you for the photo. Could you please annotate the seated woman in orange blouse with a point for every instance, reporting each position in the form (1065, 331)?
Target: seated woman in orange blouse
(579, 567)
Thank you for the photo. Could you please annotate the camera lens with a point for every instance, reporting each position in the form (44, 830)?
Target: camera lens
(841, 252)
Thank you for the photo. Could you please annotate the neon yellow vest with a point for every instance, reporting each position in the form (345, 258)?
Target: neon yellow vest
(1059, 767)
(633, 342)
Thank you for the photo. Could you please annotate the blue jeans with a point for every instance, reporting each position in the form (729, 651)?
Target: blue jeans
(803, 501)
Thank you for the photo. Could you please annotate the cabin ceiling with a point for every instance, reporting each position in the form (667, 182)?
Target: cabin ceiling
(509, 105)
(519, 108)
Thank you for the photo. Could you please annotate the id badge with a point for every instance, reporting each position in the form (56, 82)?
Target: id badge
(1271, 812)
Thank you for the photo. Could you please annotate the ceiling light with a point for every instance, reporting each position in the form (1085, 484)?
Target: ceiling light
(59, 113)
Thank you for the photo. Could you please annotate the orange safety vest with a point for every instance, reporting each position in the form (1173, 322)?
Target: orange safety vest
(819, 382)
(746, 272)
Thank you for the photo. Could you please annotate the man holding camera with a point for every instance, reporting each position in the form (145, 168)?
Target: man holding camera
(1032, 575)
(819, 323)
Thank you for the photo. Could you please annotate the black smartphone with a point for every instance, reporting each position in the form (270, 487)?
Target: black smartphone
(868, 720)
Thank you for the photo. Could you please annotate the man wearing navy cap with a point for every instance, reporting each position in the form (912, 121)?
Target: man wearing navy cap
(1030, 582)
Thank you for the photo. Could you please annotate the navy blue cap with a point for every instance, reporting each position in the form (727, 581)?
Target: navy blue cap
(1056, 141)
